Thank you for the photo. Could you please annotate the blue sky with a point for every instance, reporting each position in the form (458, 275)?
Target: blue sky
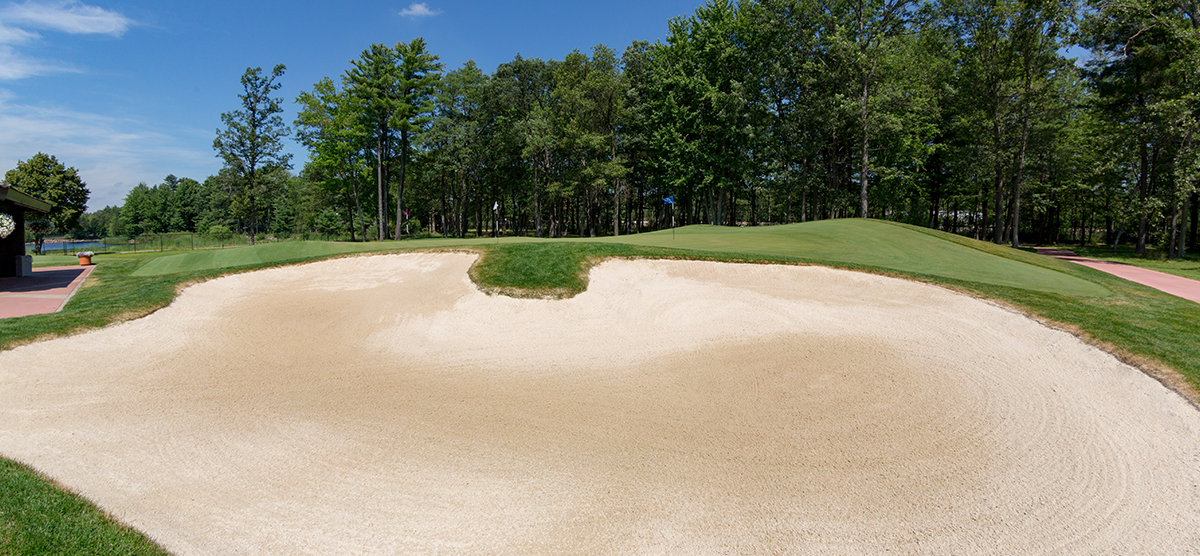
(130, 91)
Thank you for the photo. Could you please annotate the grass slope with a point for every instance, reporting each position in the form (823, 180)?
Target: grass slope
(1138, 323)
(878, 245)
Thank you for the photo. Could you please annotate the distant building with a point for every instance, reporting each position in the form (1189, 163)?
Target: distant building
(12, 248)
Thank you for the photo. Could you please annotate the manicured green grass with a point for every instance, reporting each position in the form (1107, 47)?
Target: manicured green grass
(1139, 323)
(878, 245)
(549, 269)
(1188, 267)
(54, 260)
(38, 517)
(295, 251)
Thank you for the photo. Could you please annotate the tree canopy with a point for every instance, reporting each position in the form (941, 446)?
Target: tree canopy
(962, 115)
(45, 178)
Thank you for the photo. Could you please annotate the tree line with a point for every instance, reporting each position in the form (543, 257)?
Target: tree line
(968, 116)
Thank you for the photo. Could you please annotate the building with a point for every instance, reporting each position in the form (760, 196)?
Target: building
(12, 248)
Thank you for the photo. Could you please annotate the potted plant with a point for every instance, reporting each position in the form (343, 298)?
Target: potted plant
(85, 257)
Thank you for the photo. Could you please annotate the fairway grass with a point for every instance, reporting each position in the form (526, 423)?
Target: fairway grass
(294, 251)
(1143, 326)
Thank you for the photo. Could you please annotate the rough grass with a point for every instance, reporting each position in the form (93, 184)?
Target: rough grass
(548, 269)
(1145, 327)
(38, 517)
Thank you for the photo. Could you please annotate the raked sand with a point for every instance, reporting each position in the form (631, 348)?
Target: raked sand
(383, 405)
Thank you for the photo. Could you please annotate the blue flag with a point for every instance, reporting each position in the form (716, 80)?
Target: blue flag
(669, 200)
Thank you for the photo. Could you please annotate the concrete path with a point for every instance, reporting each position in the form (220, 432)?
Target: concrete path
(45, 292)
(1175, 285)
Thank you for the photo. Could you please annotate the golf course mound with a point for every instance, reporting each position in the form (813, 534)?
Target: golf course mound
(384, 405)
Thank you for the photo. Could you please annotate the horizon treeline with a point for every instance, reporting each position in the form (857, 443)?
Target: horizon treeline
(962, 115)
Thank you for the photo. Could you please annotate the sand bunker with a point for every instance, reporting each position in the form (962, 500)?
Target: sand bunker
(382, 405)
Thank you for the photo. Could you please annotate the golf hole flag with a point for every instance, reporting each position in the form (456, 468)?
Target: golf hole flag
(496, 206)
(669, 200)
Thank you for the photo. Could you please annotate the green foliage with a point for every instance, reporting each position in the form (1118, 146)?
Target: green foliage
(962, 115)
(104, 222)
(328, 126)
(44, 177)
(219, 233)
(40, 228)
(252, 145)
(329, 222)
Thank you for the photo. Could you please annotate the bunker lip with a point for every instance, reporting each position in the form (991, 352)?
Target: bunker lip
(383, 405)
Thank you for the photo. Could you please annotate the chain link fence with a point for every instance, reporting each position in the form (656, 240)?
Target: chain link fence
(160, 242)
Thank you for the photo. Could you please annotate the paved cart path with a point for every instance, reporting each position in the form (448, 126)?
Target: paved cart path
(1175, 285)
(45, 292)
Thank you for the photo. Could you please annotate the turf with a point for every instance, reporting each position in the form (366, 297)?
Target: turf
(77, 527)
(54, 260)
(285, 252)
(879, 245)
(1138, 323)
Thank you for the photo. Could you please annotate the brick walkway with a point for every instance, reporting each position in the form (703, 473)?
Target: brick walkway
(1175, 285)
(45, 292)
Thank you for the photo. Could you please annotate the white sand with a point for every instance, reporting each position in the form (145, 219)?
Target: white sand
(382, 405)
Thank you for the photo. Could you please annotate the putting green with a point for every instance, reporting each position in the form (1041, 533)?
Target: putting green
(882, 245)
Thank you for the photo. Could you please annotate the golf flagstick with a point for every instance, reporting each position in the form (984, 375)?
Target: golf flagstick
(671, 201)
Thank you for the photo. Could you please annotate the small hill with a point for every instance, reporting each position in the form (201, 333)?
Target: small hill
(881, 246)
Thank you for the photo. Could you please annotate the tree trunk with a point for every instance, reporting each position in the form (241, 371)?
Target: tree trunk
(865, 155)
(537, 205)
(1195, 220)
(1143, 193)
(380, 198)
(1017, 179)
(362, 225)
(1181, 245)
(617, 207)
(351, 209)
(400, 186)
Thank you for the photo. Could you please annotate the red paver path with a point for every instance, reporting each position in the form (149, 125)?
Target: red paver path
(45, 292)
(1175, 285)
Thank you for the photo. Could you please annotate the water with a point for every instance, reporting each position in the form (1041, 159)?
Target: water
(72, 246)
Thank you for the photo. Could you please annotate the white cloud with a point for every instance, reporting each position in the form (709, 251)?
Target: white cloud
(69, 17)
(418, 10)
(111, 154)
(12, 35)
(15, 66)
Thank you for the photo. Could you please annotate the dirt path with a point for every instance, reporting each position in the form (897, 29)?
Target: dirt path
(382, 405)
(1175, 285)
